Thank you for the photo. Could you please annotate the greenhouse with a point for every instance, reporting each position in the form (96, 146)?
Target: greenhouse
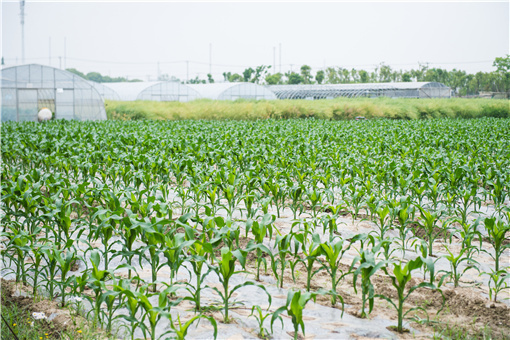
(105, 91)
(371, 90)
(233, 91)
(27, 89)
(156, 91)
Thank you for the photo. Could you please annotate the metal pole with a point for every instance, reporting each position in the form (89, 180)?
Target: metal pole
(274, 60)
(280, 70)
(22, 14)
(210, 58)
(65, 52)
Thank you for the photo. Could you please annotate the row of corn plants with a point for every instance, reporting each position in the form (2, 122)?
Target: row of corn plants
(87, 206)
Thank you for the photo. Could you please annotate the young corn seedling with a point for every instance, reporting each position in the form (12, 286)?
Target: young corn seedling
(334, 250)
(368, 266)
(455, 273)
(263, 333)
(225, 269)
(154, 313)
(496, 233)
(429, 224)
(260, 231)
(402, 275)
(180, 330)
(312, 250)
(296, 302)
(283, 244)
(198, 253)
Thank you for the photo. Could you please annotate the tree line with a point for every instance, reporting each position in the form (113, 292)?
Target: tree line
(461, 82)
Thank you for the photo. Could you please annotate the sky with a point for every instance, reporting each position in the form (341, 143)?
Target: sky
(189, 39)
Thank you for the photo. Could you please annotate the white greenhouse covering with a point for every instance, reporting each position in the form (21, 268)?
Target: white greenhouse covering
(233, 91)
(26, 89)
(393, 90)
(105, 91)
(155, 91)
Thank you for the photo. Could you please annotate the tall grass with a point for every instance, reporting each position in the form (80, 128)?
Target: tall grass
(336, 109)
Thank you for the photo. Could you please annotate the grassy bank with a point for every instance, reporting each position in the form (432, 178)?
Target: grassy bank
(336, 109)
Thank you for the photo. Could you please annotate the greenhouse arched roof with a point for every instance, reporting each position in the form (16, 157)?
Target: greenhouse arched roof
(233, 91)
(155, 91)
(169, 91)
(395, 90)
(26, 89)
(105, 91)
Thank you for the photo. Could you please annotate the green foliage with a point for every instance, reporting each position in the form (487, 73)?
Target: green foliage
(296, 302)
(328, 109)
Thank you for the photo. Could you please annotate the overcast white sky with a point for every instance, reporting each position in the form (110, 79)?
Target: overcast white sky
(130, 38)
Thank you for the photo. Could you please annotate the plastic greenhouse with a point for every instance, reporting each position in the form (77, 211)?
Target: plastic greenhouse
(26, 89)
(233, 91)
(105, 91)
(371, 90)
(156, 91)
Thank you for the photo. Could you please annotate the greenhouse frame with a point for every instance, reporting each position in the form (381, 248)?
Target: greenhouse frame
(160, 91)
(26, 89)
(234, 91)
(105, 91)
(370, 90)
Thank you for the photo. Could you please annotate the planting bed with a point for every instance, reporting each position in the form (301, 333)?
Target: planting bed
(116, 219)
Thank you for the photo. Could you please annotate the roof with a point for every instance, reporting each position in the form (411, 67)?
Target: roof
(240, 90)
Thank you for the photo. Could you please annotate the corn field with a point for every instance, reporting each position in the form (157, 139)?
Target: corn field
(266, 228)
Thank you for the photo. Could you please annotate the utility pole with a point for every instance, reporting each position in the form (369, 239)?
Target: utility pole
(65, 52)
(60, 63)
(187, 71)
(280, 70)
(210, 58)
(49, 51)
(274, 60)
(22, 15)
(159, 73)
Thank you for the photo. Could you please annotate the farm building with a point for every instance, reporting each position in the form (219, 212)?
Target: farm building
(26, 89)
(371, 90)
(160, 91)
(233, 91)
(105, 91)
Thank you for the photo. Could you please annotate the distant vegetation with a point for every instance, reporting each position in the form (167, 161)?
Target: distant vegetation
(335, 109)
(99, 78)
(462, 83)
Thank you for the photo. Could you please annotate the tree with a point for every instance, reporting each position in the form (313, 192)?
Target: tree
(406, 77)
(502, 65)
(247, 74)
(260, 73)
(210, 79)
(274, 79)
(332, 76)
(364, 77)
(306, 74)
(294, 78)
(319, 77)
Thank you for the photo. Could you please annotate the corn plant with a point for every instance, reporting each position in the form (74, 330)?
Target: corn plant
(334, 250)
(368, 266)
(199, 250)
(311, 250)
(263, 333)
(402, 275)
(225, 269)
(283, 244)
(296, 302)
(180, 330)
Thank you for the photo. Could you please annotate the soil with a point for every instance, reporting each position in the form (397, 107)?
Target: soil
(64, 321)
